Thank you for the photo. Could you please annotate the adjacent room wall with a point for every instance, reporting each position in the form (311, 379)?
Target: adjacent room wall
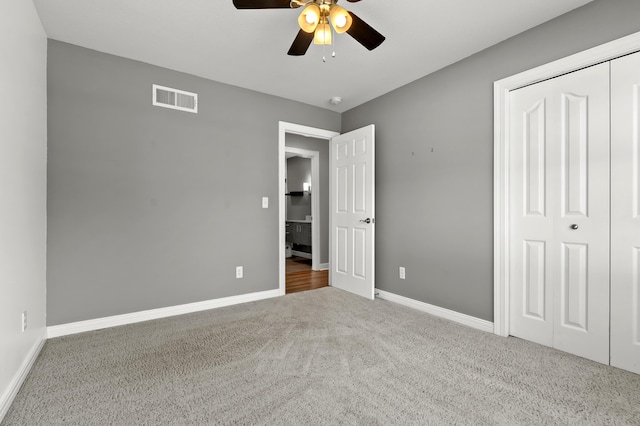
(322, 146)
(434, 154)
(298, 172)
(151, 207)
(23, 156)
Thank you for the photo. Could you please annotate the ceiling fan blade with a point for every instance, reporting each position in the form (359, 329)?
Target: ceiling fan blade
(300, 44)
(262, 4)
(364, 33)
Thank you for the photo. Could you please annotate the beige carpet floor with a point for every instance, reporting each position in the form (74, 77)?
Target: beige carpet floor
(317, 357)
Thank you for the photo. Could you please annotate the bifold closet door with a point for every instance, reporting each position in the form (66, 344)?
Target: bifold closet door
(559, 213)
(625, 213)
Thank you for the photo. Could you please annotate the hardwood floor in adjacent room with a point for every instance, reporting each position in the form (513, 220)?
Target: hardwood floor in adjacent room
(300, 276)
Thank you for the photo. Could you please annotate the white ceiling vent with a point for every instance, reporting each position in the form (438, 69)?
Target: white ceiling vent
(175, 99)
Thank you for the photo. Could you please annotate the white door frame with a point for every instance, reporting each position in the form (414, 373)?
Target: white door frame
(501, 89)
(314, 156)
(297, 129)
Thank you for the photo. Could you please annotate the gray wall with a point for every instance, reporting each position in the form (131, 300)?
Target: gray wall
(150, 207)
(434, 153)
(322, 146)
(298, 172)
(23, 186)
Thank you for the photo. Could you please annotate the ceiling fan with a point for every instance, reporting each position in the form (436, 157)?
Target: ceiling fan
(314, 22)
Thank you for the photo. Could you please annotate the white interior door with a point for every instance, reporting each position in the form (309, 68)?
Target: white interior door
(532, 222)
(625, 213)
(352, 217)
(559, 191)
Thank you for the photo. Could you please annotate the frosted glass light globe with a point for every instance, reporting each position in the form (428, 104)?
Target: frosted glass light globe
(311, 18)
(340, 21)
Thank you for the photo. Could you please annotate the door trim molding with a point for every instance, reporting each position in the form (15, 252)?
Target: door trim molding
(297, 129)
(501, 112)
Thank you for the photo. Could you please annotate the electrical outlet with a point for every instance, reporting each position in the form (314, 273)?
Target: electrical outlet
(24, 321)
(239, 272)
(402, 273)
(265, 202)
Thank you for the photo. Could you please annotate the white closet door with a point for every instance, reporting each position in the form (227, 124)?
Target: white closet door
(625, 213)
(531, 210)
(559, 192)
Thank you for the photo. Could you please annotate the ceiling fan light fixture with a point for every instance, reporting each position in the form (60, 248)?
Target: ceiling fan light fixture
(340, 19)
(317, 20)
(323, 33)
(309, 18)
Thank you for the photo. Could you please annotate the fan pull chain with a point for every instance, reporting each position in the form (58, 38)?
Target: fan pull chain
(324, 53)
(324, 57)
(333, 52)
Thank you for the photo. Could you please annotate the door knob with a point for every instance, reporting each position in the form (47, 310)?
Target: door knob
(367, 220)
(574, 226)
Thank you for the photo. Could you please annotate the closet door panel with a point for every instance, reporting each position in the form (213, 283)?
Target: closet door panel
(581, 226)
(625, 213)
(531, 293)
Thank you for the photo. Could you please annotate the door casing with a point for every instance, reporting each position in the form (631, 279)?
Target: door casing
(501, 89)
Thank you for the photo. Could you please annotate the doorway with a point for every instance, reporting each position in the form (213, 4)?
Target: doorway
(318, 267)
(303, 205)
(306, 226)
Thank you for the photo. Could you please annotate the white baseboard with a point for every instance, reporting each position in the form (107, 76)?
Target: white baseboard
(14, 386)
(116, 320)
(437, 311)
(301, 254)
(323, 267)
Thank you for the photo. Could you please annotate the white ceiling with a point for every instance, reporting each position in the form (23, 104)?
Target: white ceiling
(248, 48)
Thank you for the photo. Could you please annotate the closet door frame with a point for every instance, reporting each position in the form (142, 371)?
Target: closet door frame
(501, 89)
